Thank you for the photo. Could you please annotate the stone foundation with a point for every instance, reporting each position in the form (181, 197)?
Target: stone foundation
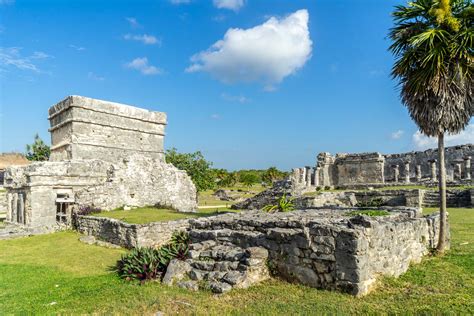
(129, 235)
(319, 248)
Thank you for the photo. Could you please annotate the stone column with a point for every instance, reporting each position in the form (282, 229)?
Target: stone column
(433, 170)
(308, 176)
(396, 173)
(295, 175)
(303, 176)
(418, 173)
(467, 168)
(316, 176)
(458, 171)
(407, 172)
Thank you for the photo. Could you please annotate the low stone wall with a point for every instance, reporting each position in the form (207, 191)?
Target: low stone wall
(324, 248)
(412, 198)
(128, 235)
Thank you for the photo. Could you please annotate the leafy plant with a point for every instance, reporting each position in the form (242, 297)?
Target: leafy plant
(147, 263)
(38, 151)
(195, 165)
(87, 210)
(284, 205)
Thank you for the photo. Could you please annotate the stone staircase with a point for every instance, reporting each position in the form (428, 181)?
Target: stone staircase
(454, 198)
(218, 266)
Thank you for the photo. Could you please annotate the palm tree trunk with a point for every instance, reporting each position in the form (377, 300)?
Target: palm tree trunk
(442, 195)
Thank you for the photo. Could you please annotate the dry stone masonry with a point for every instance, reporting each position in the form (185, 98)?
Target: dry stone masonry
(103, 155)
(319, 248)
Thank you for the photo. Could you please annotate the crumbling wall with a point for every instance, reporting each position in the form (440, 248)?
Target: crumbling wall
(129, 235)
(326, 249)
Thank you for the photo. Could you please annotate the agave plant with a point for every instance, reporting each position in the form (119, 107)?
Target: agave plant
(284, 204)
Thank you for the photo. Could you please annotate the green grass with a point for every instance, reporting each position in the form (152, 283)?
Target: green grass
(36, 272)
(145, 215)
(368, 213)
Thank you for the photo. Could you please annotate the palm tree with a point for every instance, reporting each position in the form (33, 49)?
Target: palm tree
(432, 45)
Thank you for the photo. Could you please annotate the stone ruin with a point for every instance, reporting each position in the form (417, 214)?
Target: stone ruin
(328, 249)
(104, 155)
(351, 170)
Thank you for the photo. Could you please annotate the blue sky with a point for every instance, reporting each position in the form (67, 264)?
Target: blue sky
(275, 92)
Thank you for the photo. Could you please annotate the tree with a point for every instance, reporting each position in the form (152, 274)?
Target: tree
(432, 45)
(249, 177)
(272, 174)
(38, 151)
(198, 168)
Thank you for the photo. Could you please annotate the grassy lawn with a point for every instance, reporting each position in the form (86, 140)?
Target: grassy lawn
(145, 215)
(55, 273)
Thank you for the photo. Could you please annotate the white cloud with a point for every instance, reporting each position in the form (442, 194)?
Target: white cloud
(145, 39)
(422, 142)
(266, 53)
(93, 76)
(235, 98)
(78, 48)
(215, 116)
(11, 57)
(234, 5)
(133, 22)
(141, 64)
(397, 134)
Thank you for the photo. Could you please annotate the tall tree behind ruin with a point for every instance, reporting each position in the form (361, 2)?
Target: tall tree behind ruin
(432, 44)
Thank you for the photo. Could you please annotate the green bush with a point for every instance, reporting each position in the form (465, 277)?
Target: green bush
(147, 263)
(284, 205)
(38, 151)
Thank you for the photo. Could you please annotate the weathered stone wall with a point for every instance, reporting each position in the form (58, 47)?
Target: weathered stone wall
(3, 201)
(85, 128)
(128, 235)
(326, 249)
(347, 170)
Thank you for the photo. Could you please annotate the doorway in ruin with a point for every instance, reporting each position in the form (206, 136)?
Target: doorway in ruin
(64, 204)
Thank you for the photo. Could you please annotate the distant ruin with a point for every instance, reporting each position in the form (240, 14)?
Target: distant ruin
(346, 170)
(104, 155)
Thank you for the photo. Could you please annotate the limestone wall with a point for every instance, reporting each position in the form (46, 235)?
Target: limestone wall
(325, 249)
(3, 201)
(129, 235)
(85, 128)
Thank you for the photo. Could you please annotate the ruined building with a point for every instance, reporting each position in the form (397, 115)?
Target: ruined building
(104, 155)
(374, 168)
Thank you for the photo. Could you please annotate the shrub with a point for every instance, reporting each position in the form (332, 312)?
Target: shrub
(327, 187)
(284, 205)
(38, 151)
(87, 210)
(147, 263)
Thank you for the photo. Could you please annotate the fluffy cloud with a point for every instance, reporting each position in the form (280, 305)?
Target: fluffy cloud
(234, 5)
(422, 142)
(397, 135)
(78, 48)
(93, 76)
(11, 57)
(142, 65)
(266, 53)
(145, 39)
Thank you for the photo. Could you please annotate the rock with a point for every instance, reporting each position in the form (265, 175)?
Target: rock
(233, 277)
(127, 208)
(176, 270)
(90, 240)
(223, 195)
(219, 287)
(257, 252)
(189, 285)
(196, 275)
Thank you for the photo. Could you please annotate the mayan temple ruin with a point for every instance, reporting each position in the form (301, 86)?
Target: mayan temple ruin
(348, 170)
(104, 155)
